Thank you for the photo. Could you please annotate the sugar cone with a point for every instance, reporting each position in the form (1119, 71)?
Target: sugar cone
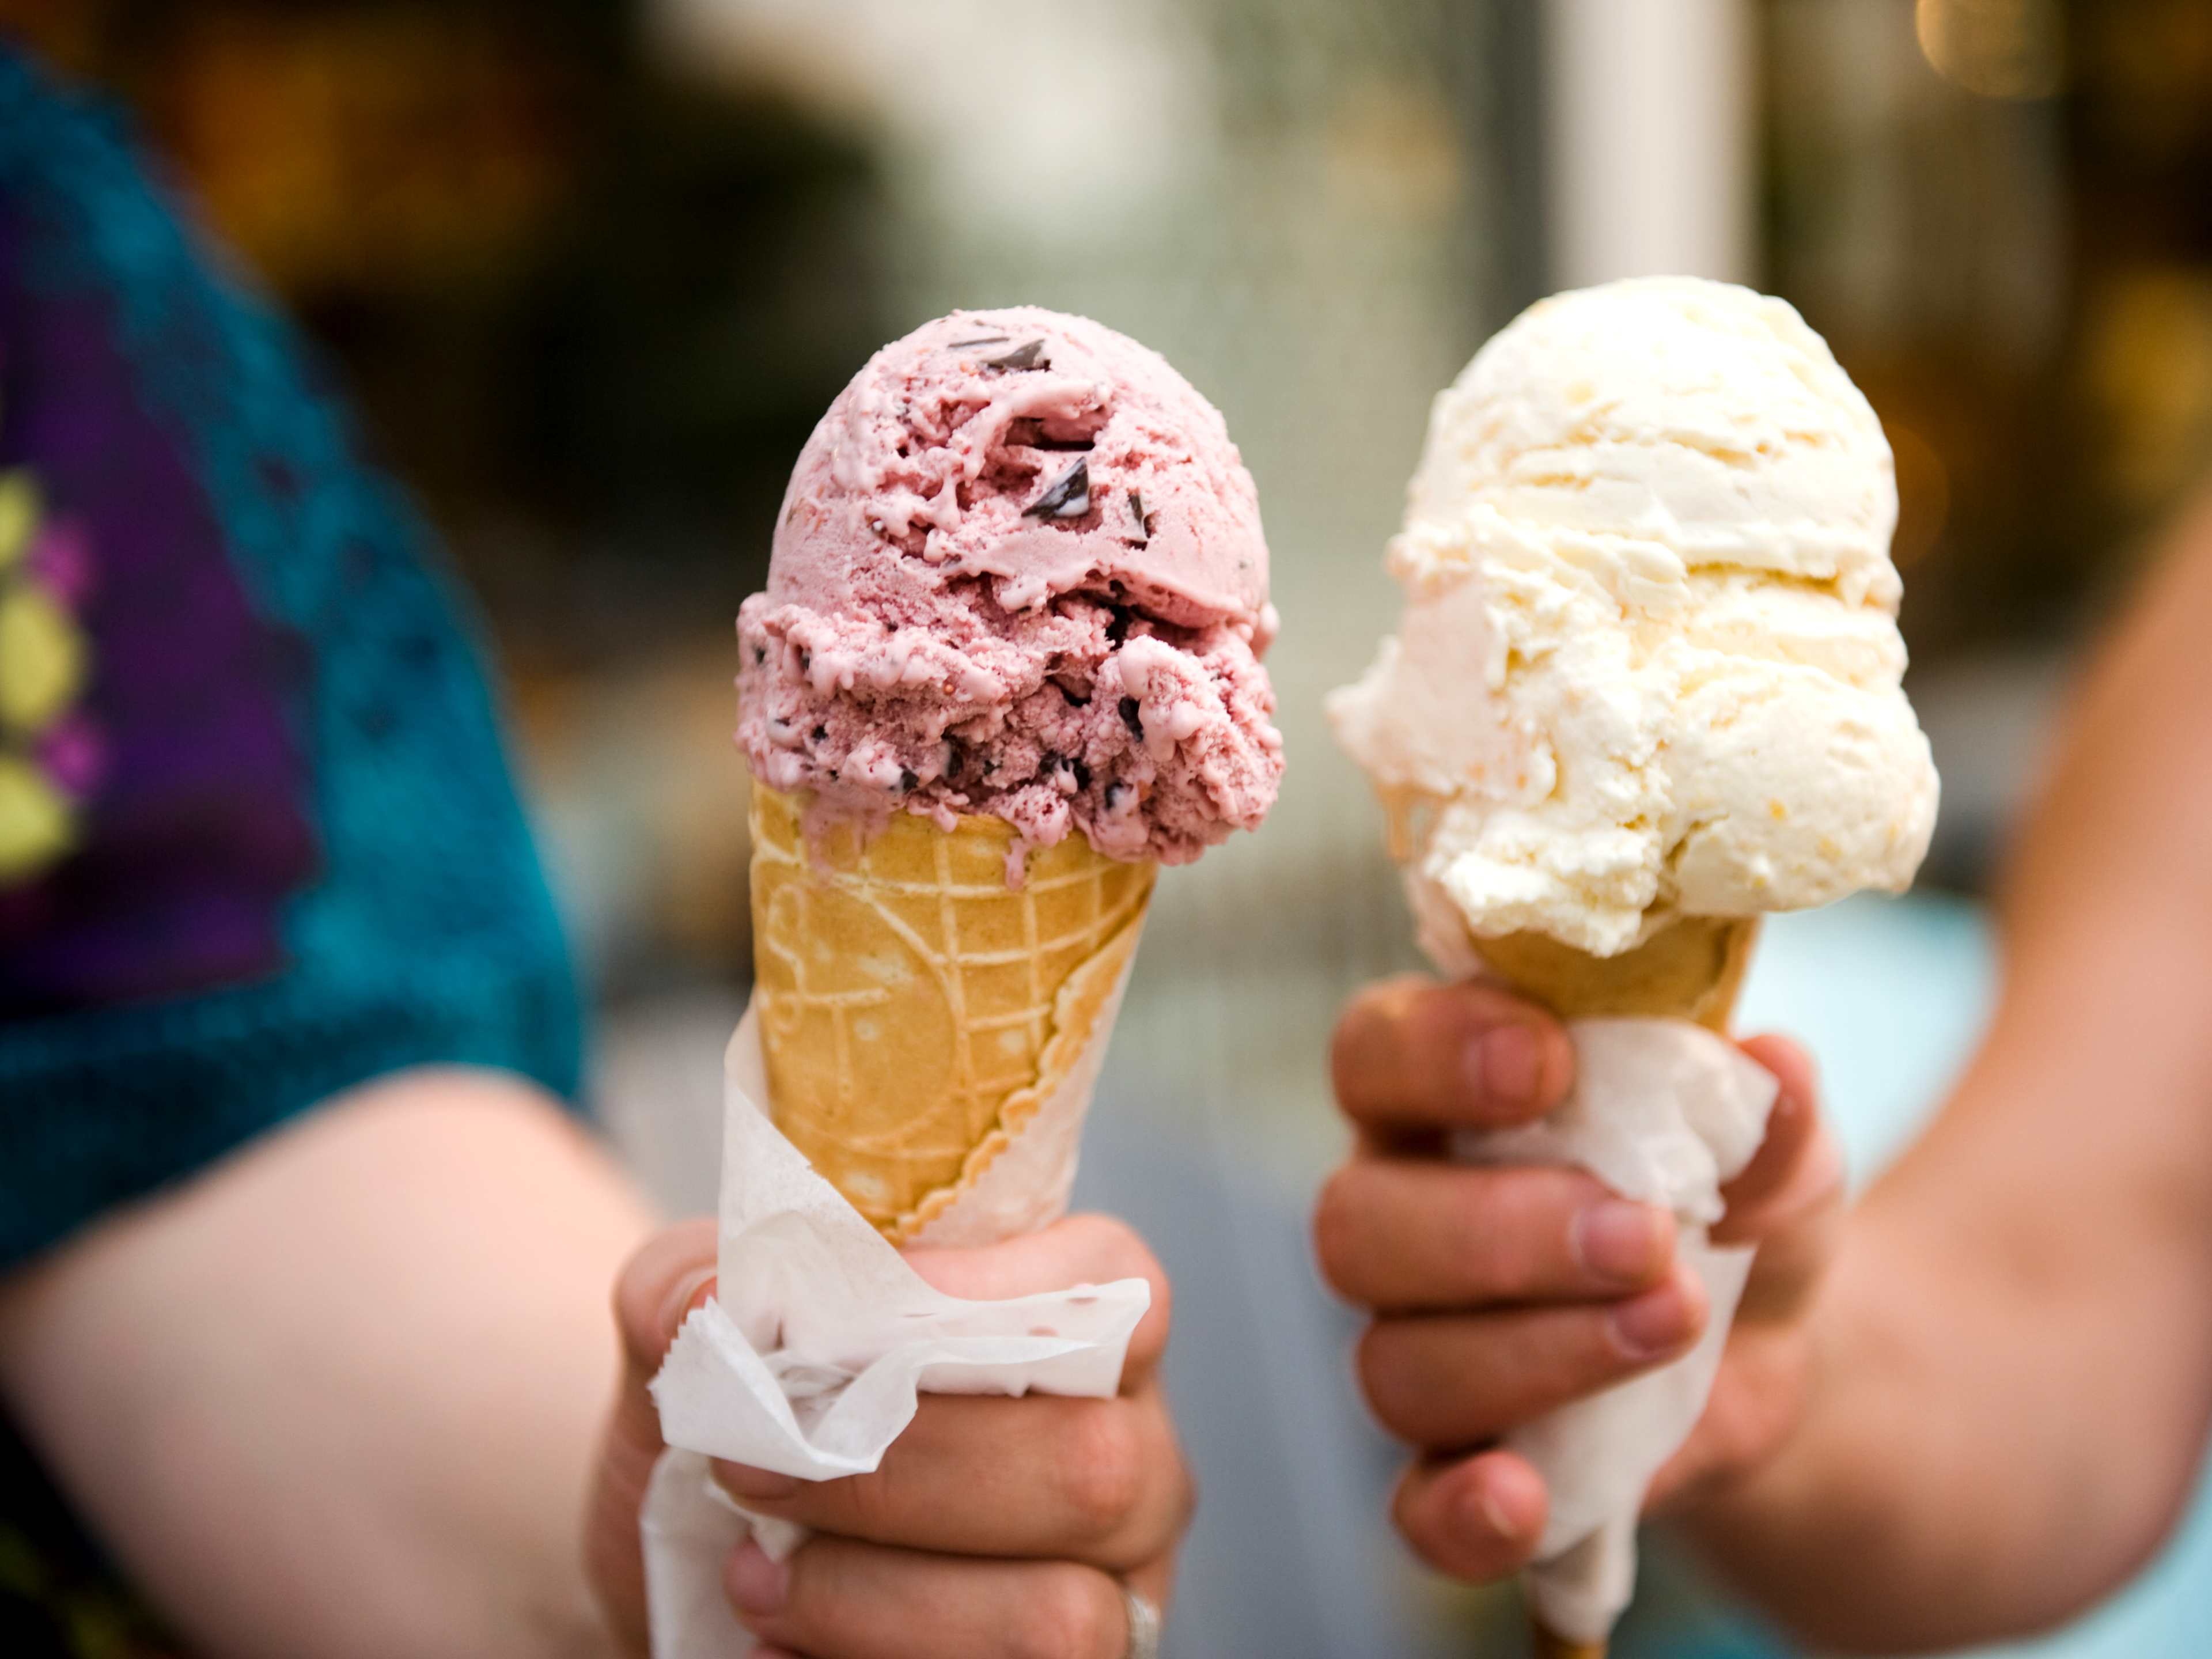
(916, 1011)
(1692, 968)
(1549, 1646)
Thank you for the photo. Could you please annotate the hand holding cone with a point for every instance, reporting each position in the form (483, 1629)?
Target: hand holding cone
(1691, 968)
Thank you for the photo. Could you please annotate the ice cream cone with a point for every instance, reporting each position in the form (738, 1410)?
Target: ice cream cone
(1550, 1646)
(1691, 968)
(1648, 653)
(915, 1009)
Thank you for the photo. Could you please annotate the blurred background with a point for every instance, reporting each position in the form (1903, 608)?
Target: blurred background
(592, 268)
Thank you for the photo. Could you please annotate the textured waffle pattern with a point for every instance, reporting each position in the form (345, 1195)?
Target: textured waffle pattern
(907, 994)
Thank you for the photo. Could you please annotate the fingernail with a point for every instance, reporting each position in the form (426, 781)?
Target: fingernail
(758, 1585)
(689, 1290)
(1494, 1516)
(1652, 1324)
(761, 1485)
(1617, 1240)
(1507, 1064)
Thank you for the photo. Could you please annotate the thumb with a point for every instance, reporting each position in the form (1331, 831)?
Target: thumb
(1789, 1200)
(672, 1274)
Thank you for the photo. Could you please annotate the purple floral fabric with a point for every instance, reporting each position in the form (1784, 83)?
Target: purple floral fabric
(184, 765)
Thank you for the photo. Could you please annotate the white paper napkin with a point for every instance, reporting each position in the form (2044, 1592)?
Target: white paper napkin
(1666, 1112)
(809, 1359)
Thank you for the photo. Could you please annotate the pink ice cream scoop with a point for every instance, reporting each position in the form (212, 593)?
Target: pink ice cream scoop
(1019, 571)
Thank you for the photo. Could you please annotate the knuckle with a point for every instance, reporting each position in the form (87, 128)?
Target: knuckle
(1104, 1240)
(1336, 1231)
(1470, 1561)
(1069, 1613)
(1131, 1258)
(1483, 1233)
(1186, 1495)
(1117, 1250)
(636, 1306)
(1416, 1524)
(821, 1578)
(1379, 1364)
(1101, 1474)
(1365, 1026)
(1344, 1044)
(1440, 1527)
(1153, 1330)
(1520, 1238)
(870, 1510)
(1159, 1317)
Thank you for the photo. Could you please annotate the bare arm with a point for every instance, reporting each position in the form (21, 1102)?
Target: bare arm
(339, 1395)
(2012, 1364)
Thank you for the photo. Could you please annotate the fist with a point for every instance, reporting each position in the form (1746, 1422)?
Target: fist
(993, 1526)
(1500, 1294)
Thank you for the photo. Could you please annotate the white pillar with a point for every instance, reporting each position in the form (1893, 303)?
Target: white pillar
(1650, 126)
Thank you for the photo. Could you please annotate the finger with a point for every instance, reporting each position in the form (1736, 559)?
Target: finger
(1411, 1053)
(1098, 1481)
(1402, 1235)
(1474, 1518)
(1155, 1582)
(1790, 1200)
(1450, 1381)
(1083, 1250)
(836, 1599)
(1792, 1127)
(672, 1274)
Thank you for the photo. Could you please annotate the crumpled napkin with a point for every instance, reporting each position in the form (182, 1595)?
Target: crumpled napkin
(809, 1358)
(1666, 1112)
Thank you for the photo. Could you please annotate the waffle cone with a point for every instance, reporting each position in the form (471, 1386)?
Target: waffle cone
(1691, 968)
(916, 1011)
